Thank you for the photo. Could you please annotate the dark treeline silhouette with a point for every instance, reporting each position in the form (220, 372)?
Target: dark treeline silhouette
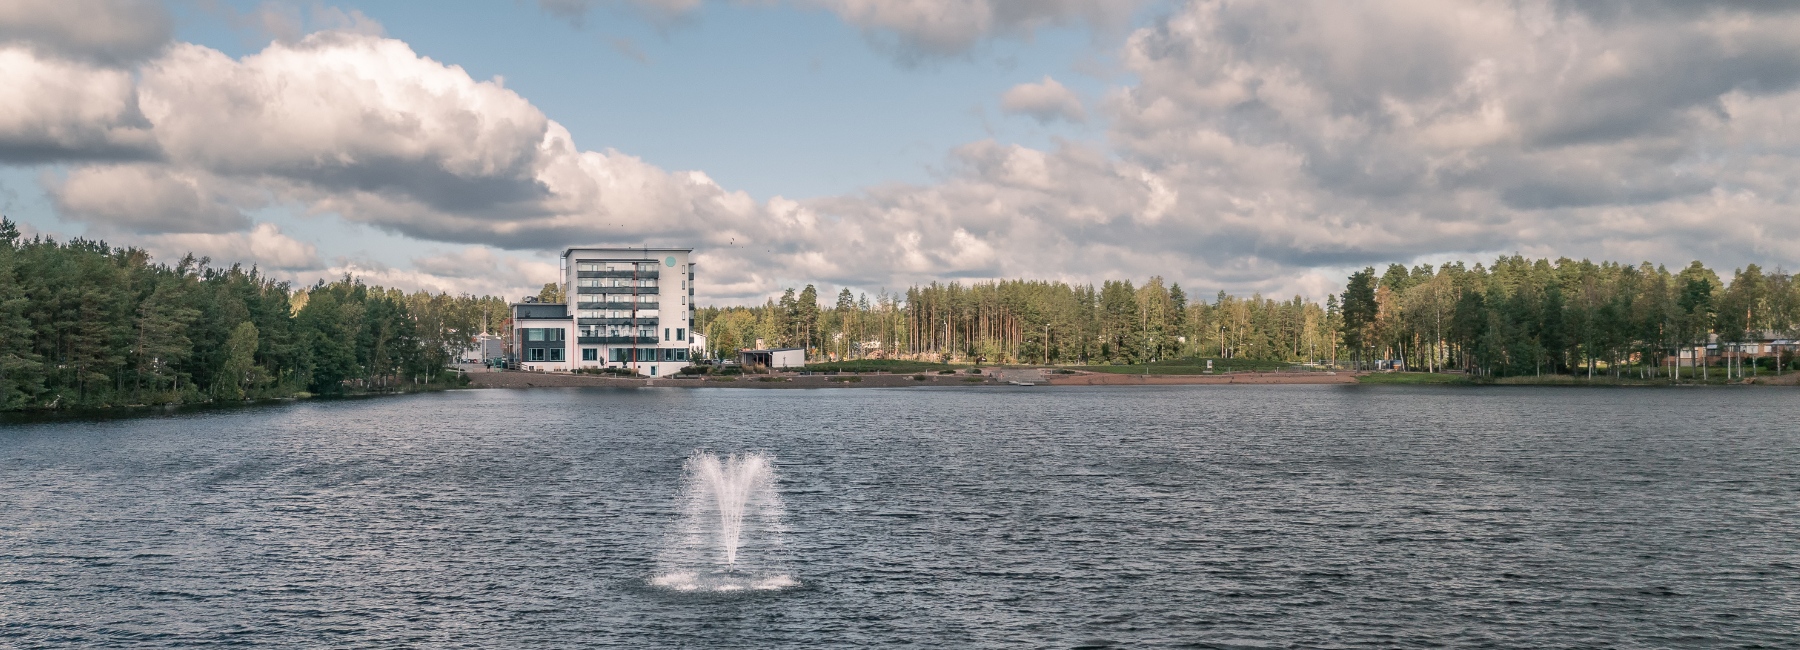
(1514, 317)
(85, 324)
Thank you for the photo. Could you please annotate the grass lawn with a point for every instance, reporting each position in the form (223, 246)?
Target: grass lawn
(1191, 366)
(897, 367)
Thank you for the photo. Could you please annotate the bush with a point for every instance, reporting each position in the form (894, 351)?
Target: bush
(946, 372)
(919, 377)
(724, 378)
(696, 370)
(622, 372)
(850, 379)
(728, 371)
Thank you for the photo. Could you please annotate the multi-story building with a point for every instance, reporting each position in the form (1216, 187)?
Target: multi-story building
(624, 308)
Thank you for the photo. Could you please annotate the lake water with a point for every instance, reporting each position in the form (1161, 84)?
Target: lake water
(1180, 516)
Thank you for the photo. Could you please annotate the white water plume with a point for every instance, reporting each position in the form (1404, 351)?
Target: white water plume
(729, 537)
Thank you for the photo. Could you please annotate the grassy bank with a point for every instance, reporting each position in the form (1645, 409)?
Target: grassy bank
(1422, 378)
(898, 367)
(1414, 378)
(1193, 366)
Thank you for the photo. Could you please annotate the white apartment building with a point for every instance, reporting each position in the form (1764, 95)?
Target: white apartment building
(626, 308)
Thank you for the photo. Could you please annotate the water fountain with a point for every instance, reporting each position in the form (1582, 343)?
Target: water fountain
(729, 537)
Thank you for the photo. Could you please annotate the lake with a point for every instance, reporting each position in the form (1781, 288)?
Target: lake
(1141, 517)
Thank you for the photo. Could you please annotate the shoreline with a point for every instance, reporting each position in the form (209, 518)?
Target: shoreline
(1050, 377)
(990, 377)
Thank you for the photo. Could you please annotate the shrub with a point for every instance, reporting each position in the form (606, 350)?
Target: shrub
(696, 370)
(946, 372)
(850, 379)
(919, 377)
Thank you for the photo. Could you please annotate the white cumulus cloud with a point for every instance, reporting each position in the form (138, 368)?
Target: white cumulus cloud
(1046, 100)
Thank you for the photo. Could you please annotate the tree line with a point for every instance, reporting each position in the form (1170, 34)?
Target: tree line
(86, 324)
(1522, 317)
(1028, 321)
(1513, 317)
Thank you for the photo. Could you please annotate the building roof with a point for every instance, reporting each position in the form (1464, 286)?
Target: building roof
(645, 252)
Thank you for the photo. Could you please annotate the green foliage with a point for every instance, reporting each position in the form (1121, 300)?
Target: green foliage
(1538, 318)
(84, 324)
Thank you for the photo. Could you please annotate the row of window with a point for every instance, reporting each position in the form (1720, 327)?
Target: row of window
(644, 283)
(616, 266)
(642, 298)
(619, 355)
(616, 330)
(543, 334)
(614, 313)
(623, 355)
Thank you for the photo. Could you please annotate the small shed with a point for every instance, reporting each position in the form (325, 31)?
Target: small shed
(776, 358)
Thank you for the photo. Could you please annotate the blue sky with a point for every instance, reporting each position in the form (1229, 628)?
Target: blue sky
(1238, 145)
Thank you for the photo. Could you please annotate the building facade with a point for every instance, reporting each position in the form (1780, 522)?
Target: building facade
(625, 308)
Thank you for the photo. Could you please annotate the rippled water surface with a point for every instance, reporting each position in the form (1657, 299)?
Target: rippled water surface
(1203, 516)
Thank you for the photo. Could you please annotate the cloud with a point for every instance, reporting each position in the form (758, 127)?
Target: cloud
(950, 27)
(1047, 101)
(912, 29)
(145, 198)
(108, 32)
(264, 246)
(1261, 146)
(61, 109)
(474, 270)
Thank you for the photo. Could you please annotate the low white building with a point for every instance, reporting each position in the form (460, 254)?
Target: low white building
(776, 358)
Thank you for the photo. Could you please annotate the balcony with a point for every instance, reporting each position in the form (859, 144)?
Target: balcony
(641, 320)
(641, 307)
(616, 340)
(624, 290)
(617, 274)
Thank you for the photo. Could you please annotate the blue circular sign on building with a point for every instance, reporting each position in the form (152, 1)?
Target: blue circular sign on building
(670, 261)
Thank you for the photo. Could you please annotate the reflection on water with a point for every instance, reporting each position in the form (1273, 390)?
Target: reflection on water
(1253, 516)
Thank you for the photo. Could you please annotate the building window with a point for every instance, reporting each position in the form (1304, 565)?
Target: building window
(534, 334)
(681, 355)
(652, 371)
(556, 354)
(587, 266)
(588, 282)
(665, 334)
(590, 354)
(534, 354)
(680, 334)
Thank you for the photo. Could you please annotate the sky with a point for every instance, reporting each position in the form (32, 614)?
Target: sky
(1229, 145)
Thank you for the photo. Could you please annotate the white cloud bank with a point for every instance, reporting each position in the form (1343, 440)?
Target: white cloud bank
(1339, 135)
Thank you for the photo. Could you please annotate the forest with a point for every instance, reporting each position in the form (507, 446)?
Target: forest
(1513, 317)
(84, 324)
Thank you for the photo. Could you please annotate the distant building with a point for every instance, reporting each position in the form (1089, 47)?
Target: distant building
(627, 308)
(696, 345)
(777, 358)
(1756, 344)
